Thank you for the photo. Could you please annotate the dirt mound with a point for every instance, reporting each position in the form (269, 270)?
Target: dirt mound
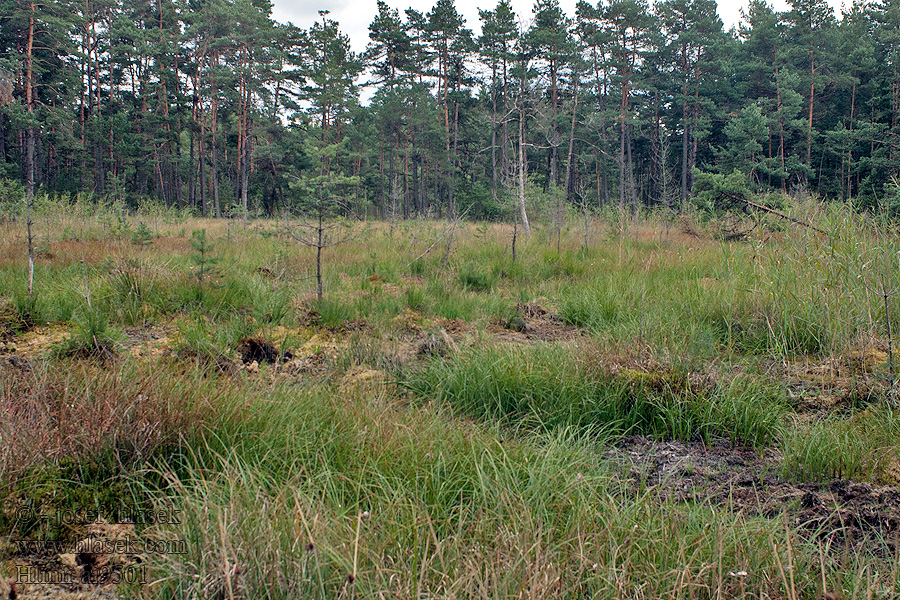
(259, 350)
(532, 322)
(845, 512)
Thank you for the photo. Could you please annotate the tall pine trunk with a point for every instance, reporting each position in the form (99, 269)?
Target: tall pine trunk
(29, 146)
(571, 155)
(494, 131)
(622, 169)
(554, 149)
(522, 171)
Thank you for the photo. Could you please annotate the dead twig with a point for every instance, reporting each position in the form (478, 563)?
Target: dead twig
(447, 231)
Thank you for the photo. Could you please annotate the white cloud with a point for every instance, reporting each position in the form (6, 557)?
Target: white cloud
(354, 16)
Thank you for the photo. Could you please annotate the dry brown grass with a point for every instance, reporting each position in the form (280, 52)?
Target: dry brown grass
(77, 408)
(92, 243)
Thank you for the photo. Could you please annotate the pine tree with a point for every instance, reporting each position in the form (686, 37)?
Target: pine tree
(322, 205)
(204, 259)
(693, 30)
(551, 44)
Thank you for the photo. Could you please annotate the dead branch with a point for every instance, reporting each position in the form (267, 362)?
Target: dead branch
(776, 213)
(442, 236)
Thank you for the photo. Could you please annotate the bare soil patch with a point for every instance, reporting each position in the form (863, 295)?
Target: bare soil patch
(149, 341)
(316, 355)
(533, 322)
(37, 341)
(455, 327)
(258, 350)
(746, 481)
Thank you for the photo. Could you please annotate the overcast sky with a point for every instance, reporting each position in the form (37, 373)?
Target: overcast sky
(355, 15)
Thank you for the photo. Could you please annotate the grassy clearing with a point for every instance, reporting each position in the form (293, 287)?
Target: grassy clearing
(358, 496)
(438, 424)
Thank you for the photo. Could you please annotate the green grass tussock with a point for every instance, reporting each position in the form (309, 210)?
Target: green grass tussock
(551, 388)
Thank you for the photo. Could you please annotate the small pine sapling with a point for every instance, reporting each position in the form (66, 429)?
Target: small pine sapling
(324, 211)
(203, 258)
(142, 236)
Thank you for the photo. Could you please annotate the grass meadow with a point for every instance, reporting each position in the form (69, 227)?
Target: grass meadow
(654, 413)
